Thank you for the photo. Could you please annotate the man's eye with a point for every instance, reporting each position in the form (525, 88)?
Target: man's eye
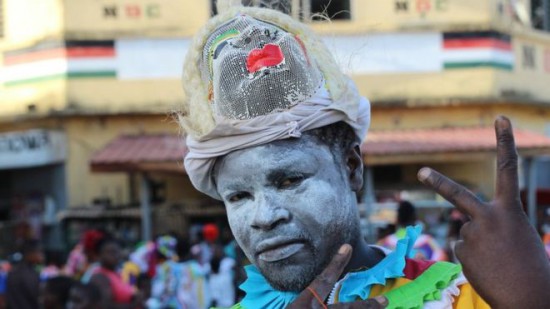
(291, 181)
(239, 196)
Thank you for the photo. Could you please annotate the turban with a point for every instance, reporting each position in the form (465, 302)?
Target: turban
(253, 76)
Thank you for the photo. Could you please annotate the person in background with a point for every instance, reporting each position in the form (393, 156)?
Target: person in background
(221, 279)
(54, 292)
(210, 234)
(90, 241)
(143, 284)
(54, 265)
(84, 296)
(425, 248)
(4, 270)
(167, 275)
(193, 280)
(456, 221)
(23, 281)
(115, 293)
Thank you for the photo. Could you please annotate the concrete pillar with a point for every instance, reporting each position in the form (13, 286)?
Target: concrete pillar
(145, 202)
(367, 203)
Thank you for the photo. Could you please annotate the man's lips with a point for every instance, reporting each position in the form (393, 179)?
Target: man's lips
(268, 56)
(278, 248)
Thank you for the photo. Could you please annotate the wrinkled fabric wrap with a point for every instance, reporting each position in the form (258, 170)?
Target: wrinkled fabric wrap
(230, 135)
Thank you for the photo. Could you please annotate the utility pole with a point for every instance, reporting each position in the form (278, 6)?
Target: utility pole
(546, 15)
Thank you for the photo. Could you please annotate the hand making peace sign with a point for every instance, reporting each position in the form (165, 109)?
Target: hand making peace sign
(501, 252)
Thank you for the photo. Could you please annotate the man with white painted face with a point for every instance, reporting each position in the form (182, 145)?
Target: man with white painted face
(273, 130)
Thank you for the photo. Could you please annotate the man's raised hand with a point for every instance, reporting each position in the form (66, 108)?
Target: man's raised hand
(502, 254)
(315, 294)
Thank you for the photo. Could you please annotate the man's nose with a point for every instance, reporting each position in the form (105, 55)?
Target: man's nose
(268, 214)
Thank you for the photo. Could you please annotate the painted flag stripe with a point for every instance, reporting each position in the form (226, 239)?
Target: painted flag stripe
(33, 70)
(477, 34)
(477, 64)
(91, 64)
(34, 56)
(108, 43)
(477, 43)
(42, 46)
(72, 52)
(478, 54)
(93, 51)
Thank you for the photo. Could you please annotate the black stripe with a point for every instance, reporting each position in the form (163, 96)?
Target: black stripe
(477, 35)
(104, 43)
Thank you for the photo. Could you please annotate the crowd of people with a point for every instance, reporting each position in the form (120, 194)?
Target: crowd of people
(170, 272)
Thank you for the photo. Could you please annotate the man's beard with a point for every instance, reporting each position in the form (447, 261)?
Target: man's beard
(295, 278)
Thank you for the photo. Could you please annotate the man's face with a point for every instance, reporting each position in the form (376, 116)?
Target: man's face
(247, 61)
(290, 207)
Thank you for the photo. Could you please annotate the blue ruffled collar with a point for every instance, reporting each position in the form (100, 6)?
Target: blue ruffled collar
(259, 294)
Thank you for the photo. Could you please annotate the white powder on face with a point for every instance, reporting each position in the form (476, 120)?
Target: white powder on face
(321, 208)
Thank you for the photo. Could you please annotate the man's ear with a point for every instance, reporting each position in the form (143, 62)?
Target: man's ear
(354, 167)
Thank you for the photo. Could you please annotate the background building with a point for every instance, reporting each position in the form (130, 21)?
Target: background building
(88, 87)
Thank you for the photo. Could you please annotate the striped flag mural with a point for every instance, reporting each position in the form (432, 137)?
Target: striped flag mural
(477, 49)
(59, 60)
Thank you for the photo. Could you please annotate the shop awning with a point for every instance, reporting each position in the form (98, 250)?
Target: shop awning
(90, 213)
(141, 153)
(165, 152)
(444, 145)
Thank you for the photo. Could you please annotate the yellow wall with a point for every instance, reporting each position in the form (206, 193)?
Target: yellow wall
(46, 96)
(104, 19)
(30, 21)
(476, 175)
(110, 95)
(536, 119)
(376, 15)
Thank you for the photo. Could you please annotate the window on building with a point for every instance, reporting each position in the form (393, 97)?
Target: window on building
(335, 10)
(540, 14)
(316, 10)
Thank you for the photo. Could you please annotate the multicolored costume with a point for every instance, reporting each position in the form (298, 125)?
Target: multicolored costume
(407, 283)
(425, 247)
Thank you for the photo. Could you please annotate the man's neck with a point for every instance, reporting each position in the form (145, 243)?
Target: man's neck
(363, 256)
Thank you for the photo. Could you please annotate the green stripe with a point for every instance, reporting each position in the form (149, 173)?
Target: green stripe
(34, 80)
(70, 75)
(97, 74)
(476, 64)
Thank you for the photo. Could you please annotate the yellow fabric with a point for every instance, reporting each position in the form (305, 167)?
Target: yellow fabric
(391, 284)
(468, 298)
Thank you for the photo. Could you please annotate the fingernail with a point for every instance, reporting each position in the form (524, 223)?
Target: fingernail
(344, 249)
(502, 122)
(424, 173)
(382, 300)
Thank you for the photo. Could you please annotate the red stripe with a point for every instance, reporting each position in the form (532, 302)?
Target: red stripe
(35, 56)
(87, 52)
(477, 43)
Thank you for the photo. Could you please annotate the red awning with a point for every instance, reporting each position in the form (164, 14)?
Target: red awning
(424, 145)
(162, 152)
(165, 152)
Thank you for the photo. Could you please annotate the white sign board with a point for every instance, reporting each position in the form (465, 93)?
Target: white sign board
(382, 53)
(31, 148)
